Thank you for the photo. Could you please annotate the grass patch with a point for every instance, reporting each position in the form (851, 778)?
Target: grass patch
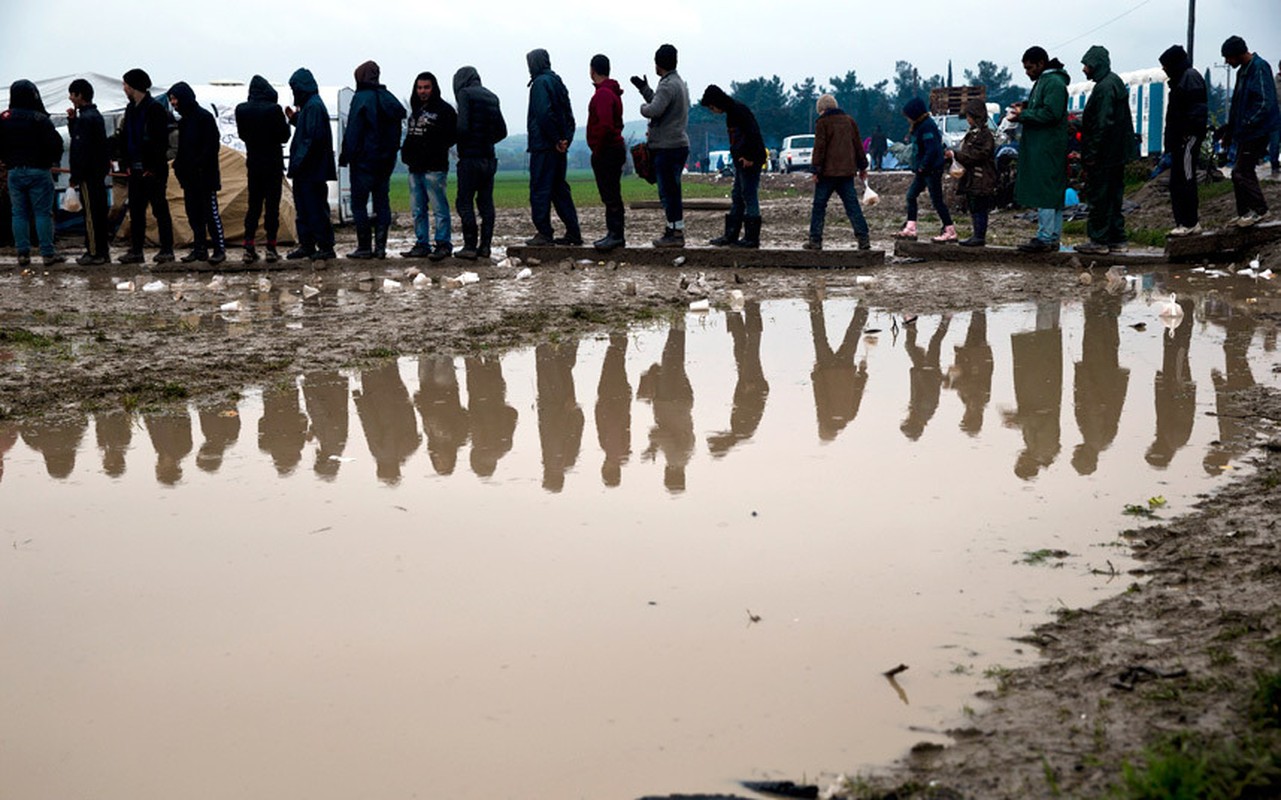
(1209, 191)
(1265, 706)
(382, 352)
(1043, 555)
(22, 337)
(1187, 766)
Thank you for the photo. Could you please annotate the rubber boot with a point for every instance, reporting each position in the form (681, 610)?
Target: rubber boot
(271, 255)
(380, 242)
(363, 250)
(486, 239)
(733, 224)
(751, 233)
(251, 255)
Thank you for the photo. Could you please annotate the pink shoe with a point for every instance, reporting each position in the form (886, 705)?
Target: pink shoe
(948, 235)
(908, 232)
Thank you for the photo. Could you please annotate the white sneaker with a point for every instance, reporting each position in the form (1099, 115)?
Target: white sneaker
(1249, 219)
(1185, 231)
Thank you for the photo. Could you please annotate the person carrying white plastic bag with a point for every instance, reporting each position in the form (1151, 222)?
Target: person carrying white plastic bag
(838, 157)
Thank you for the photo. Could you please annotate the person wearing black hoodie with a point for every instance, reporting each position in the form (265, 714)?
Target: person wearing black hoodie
(30, 147)
(480, 127)
(261, 125)
(144, 153)
(90, 163)
(311, 167)
(431, 130)
(550, 124)
(747, 151)
(369, 148)
(196, 168)
(1186, 117)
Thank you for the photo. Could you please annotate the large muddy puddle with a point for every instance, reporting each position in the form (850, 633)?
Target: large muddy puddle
(661, 561)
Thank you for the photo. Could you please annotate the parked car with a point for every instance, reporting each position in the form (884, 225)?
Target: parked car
(797, 153)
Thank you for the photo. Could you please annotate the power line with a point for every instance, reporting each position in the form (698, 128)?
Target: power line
(1104, 25)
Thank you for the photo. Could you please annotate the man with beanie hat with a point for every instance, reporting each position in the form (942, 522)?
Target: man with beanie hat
(196, 168)
(369, 147)
(311, 167)
(1252, 120)
(667, 109)
(430, 132)
(609, 152)
(1186, 116)
(838, 157)
(90, 162)
(747, 151)
(480, 127)
(550, 125)
(30, 147)
(1107, 143)
(1042, 176)
(144, 150)
(262, 126)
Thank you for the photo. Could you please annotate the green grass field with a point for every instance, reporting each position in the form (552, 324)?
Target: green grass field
(511, 190)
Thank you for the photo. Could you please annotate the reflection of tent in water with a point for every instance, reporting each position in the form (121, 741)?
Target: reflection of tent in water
(233, 201)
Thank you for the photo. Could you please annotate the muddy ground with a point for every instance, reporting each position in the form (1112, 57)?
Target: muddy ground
(1202, 611)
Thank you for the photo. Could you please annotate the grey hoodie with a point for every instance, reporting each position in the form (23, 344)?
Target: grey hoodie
(667, 109)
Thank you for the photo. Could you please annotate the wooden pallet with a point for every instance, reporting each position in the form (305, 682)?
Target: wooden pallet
(952, 99)
(930, 251)
(1224, 245)
(695, 257)
(688, 205)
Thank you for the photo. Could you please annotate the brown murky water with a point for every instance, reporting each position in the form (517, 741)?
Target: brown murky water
(536, 575)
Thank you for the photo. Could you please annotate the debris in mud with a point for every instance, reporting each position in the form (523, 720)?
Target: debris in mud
(125, 286)
(782, 788)
(1133, 676)
(700, 305)
(890, 673)
(524, 273)
(390, 285)
(1140, 326)
(421, 280)
(234, 305)
(752, 618)
(155, 286)
(1043, 555)
(309, 291)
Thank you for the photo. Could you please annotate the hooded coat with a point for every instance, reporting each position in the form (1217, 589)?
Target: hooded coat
(27, 135)
(1254, 114)
(740, 123)
(432, 129)
(1107, 128)
(196, 164)
(977, 155)
(311, 153)
(1187, 113)
(480, 117)
(550, 119)
(372, 139)
(261, 125)
(927, 157)
(1042, 176)
(605, 116)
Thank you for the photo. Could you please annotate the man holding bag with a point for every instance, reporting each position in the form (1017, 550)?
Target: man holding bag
(90, 163)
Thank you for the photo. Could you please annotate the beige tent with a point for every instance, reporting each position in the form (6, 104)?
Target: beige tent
(233, 202)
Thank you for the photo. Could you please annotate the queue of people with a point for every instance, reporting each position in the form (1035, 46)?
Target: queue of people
(380, 130)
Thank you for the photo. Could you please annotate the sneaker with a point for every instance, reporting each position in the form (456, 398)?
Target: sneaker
(250, 255)
(324, 255)
(812, 244)
(56, 258)
(568, 241)
(441, 251)
(908, 232)
(194, 256)
(218, 257)
(973, 241)
(417, 251)
(299, 253)
(1119, 247)
(1249, 219)
(483, 251)
(163, 257)
(24, 259)
(1181, 230)
(539, 240)
(1092, 248)
(671, 237)
(467, 254)
(132, 257)
(608, 242)
(272, 255)
(864, 243)
(1036, 245)
(947, 236)
(90, 260)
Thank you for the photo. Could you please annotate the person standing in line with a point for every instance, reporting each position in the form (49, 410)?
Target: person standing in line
(1107, 143)
(480, 127)
(30, 147)
(431, 130)
(927, 163)
(1186, 117)
(667, 109)
(145, 149)
(837, 157)
(550, 125)
(747, 151)
(1041, 180)
(1274, 154)
(1252, 120)
(369, 147)
(878, 148)
(609, 152)
(978, 184)
(311, 167)
(262, 126)
(196, 168)
(90, 164)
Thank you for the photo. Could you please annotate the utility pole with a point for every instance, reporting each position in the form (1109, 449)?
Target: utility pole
(1191, 26)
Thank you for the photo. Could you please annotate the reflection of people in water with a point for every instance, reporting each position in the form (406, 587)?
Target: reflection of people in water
(220, 425)
(838, 384)
(56, 441)
(8, 438)
(614, 410)
(752, 388)
(560, 420)
(1234, 431)
(1038, 390)
(1175, 394)
(666, 386)
(1100, 382)
(971, 373)
(326, 396)
(493, 422)
(171, 436)
(114, 431)
(282, 429)
(444, 418)
(387, 416)
(925, 379)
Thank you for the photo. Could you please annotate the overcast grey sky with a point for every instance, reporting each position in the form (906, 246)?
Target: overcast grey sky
(719, 41)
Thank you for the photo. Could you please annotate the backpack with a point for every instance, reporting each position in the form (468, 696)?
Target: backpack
(642, 163)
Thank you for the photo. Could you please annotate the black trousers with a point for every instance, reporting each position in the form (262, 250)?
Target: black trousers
(147, 191)
(311, 201)
(1245, 179)
(1104, 190)
(476, 191)
(264, 199)
(201, 204)
(607, 166)
(93, 196)
(1183, 198)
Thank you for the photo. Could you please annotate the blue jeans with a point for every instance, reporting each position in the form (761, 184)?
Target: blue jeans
(844, 189)
(1049, 224)
(366, 182)
(669, 162)
(31, 192)
(427, 196)
(745, 198)
(1274, 150)
(548, 187)
(933, 181)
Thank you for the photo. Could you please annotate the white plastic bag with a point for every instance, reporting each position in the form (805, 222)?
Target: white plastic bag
(958, 169)
(71, 200)
(870, 198)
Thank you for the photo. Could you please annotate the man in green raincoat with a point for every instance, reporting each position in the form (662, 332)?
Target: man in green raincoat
(1042, 176)
(1107, 142)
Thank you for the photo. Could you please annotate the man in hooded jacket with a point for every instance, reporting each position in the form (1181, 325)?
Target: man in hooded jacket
(369, 147)
(1107, 143)
(196, 168)
(550, 125)
(1186, 116)
(609, 152)
(1252, 119)
(90, 162)
(480, 127)
(431, 130)
(144, 154)
(262, 126)
(30, 147)
(311, 167)
(1042, 177)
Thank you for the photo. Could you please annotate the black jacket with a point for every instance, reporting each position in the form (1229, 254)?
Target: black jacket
(550, 119)
(480, 119)
(144, 136)
(740, 123)
(261, 125)
(372, 137)
(311, 151)
(27, 135)
(1187, 112)
(432, 129)
(196, 164)
(90, 160)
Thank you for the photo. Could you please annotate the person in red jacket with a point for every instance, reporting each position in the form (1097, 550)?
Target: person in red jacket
(609, 153)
